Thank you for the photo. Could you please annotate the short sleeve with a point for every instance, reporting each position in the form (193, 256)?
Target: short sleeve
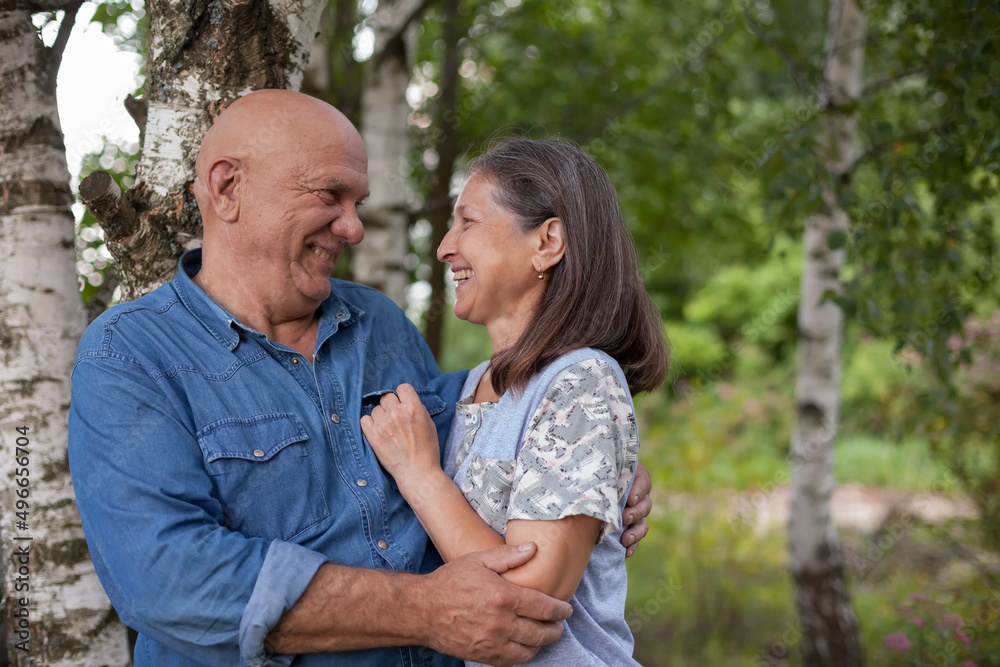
(581, 449)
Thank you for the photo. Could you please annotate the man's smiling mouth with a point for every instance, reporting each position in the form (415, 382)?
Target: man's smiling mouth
(321, 253)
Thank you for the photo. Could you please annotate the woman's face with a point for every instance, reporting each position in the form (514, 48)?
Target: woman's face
(491, 262)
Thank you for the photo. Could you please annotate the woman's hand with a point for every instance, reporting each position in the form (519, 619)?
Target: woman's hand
(403, 437)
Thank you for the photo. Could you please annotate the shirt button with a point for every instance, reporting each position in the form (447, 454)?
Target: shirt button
(335, 418)
(362, 482)
(295, 361)
(382, 544)
(258, 453)
(340, 315)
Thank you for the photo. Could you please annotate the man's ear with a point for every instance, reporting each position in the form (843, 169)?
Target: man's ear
(225, 181)
(551, 244)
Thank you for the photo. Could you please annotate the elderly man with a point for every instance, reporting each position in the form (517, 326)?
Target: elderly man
(232, 509)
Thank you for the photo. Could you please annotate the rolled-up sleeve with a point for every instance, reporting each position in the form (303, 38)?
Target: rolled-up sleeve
(285, 575)
(155, 530)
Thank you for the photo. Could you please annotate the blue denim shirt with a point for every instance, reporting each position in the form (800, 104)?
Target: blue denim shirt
(216, 470)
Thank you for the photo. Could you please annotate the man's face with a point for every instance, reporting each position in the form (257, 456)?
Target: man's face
(300, 208)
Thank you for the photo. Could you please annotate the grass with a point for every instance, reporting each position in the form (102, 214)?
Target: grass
(706, 591)
(704, 594)
(906, 466)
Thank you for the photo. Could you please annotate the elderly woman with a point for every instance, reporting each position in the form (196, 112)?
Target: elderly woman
(543, 447)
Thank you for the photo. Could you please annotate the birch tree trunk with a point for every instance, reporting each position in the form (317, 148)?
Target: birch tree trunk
(378, 261)
(56, 610)
(202, 56)
(438, 203)
(830, 635)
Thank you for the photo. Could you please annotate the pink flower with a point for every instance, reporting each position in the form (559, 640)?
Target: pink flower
(917, 621)
(961, 635)
(897, 640)
(951, 620)
(968, 663)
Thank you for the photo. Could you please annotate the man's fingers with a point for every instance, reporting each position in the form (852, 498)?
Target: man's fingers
(533, 634)
(641, 486)
(507, 557)
(540, 611)
(406, 393)
(638, 512)
(631, 537)
(392, 399)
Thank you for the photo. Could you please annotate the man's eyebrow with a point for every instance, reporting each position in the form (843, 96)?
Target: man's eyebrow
(340, 186)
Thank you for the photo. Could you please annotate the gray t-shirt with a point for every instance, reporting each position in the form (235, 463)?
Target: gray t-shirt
(567, 445)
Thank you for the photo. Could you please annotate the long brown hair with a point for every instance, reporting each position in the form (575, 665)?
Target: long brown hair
(594, 297)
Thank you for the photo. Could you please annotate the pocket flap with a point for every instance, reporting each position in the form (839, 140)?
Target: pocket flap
(253, 439)
(432, 402)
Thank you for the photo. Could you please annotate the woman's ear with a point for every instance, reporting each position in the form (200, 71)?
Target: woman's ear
(551, 244)
(225, 178)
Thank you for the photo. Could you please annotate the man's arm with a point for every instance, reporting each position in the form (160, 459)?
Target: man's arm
(178, 576)
(464, 609)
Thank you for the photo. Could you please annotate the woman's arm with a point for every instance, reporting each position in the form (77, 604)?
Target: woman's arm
(404, 439)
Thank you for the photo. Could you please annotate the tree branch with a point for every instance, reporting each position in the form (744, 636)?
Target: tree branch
(884, 81)
(138, 109)
(56, 52)
(109, 205)
(388, 31)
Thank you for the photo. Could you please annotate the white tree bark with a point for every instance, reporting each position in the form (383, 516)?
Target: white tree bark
(830, 630)
(56, 609)
(379, 260)
(202, 56)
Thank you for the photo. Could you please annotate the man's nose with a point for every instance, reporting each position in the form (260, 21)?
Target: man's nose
(349, 227)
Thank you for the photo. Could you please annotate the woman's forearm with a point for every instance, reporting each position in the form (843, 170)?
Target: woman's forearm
(445, 514)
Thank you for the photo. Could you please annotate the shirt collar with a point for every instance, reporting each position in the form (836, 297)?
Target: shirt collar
(333, 313)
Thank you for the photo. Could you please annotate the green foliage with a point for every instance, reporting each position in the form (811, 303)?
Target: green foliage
(125, 22)
(694, 348)
(757, 303)
(703, 594)
(465, 345)
(708, 595)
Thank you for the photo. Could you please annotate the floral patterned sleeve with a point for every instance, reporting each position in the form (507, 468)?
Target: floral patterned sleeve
(581, 450)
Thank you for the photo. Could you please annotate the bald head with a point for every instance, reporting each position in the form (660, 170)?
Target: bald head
(264, 124)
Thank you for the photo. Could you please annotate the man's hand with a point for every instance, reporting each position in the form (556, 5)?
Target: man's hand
(637, 508)
(474, 614)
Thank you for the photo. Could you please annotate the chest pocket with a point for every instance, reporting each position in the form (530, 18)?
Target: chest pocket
(263, 475)
(432, 402)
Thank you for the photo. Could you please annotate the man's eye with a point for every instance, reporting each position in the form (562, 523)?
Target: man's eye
(359, 204)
